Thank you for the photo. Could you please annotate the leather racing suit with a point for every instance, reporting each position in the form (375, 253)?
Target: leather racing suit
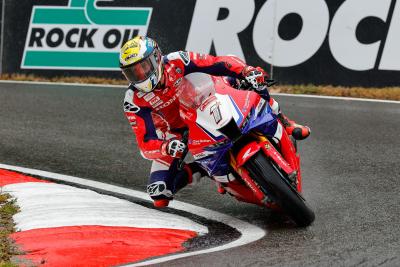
(154, 116)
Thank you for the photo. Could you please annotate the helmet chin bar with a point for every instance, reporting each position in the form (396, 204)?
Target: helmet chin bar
(149, 84)
(145, 86)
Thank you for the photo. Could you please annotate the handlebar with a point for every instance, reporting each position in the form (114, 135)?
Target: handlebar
(246, 86)
(185, 139)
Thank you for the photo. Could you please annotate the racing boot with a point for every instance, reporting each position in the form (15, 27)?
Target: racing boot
(299, 132)
(191, 175)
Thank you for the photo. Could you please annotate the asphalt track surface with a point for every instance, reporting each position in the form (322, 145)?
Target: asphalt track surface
(350, 164)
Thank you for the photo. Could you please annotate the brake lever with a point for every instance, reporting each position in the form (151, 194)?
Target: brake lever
(244, 85)
(270, 83)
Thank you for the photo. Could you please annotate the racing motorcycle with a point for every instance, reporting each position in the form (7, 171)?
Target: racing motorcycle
(235, 137)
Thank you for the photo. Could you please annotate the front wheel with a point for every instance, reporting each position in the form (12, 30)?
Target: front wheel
(271, 183)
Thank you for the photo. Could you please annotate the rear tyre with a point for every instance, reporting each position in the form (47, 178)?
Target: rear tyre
(279, 190)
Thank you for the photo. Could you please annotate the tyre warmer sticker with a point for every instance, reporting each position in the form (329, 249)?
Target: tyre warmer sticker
(59, 225)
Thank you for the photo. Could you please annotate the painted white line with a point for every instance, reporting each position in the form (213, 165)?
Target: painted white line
(338, 98)
(61, 83)
(249, 232)
(71, 206)
(278, 94)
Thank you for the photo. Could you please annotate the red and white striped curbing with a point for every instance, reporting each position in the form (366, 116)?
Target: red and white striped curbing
(61, 225)
(249, 232)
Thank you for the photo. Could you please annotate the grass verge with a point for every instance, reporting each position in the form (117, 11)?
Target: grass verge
(8, 208)
(388, 93)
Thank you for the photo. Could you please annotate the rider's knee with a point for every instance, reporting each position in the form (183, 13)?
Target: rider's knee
(159, 193)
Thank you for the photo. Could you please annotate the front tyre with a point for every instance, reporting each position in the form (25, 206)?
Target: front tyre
(280, 191)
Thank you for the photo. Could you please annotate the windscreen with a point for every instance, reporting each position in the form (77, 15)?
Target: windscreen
(196, 88)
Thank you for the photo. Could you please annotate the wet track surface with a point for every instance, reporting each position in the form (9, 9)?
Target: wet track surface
(350, 164)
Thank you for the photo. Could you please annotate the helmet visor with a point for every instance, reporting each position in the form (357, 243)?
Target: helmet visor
(142, 70)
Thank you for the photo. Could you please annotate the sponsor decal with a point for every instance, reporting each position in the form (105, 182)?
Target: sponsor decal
(130, 107)
(140, 94)
(185, 57)
(248, 153)
(200, 141)
(207, 102)
(170, 101)
(200, 155)
(247, 102)
(260, 106)
(158, 188)
(177, 82)
(340, 27)
(149, 96)
(154, 100)
(157, 104)
(81, 35)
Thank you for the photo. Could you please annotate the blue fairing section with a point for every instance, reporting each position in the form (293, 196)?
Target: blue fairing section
(216, 138)
(217, 163)
(239, 121)
(145, 114)
(264, 121)
(268, 129)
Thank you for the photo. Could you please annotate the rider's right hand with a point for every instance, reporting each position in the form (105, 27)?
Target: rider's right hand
(256, 77)
(174, 148)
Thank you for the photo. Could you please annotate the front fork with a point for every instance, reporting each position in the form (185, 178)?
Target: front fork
(288, 162)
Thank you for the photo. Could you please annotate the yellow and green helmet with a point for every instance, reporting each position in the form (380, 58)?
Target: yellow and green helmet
(140, 62)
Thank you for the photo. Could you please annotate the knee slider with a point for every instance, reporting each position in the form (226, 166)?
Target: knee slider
(159, 190)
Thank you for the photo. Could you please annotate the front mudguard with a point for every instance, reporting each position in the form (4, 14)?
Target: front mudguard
(269, 150)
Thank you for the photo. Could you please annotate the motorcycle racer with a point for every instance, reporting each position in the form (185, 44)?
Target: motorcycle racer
(151, 106)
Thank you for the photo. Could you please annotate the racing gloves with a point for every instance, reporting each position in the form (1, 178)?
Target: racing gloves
(173, 148)
(256, 77)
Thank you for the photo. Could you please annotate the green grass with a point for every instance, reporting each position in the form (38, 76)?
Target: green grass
(8, 264)
(8, 208)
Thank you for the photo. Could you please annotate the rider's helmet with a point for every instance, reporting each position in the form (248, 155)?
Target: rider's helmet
(140, 62)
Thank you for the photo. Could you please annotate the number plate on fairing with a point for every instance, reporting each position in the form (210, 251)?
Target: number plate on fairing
(217, 114)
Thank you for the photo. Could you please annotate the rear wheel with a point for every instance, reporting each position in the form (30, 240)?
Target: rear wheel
(279, 190)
